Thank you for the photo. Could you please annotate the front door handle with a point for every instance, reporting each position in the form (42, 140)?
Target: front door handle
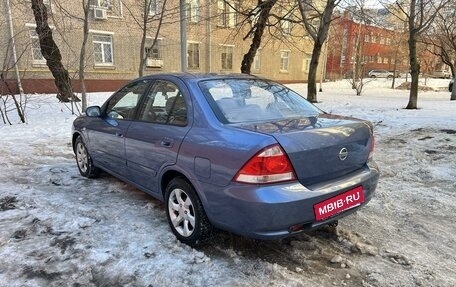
(119, 135)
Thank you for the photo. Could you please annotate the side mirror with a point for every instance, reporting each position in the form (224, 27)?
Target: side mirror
(93, 112)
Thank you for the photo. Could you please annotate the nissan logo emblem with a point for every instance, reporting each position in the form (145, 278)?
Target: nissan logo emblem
(343, 153)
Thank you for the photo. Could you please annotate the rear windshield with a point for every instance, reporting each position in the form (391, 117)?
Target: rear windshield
(251, 100)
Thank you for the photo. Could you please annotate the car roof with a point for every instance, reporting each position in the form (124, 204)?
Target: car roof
(200, 76)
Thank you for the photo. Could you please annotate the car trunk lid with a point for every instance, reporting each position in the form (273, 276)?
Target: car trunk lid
(320, 148)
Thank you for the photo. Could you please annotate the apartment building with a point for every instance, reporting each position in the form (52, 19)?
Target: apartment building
(216, 42)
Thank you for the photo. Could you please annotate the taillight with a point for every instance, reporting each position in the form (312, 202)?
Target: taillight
(268, 166)
(372, 147)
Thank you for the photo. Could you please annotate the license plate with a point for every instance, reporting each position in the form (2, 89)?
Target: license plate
(339, 203)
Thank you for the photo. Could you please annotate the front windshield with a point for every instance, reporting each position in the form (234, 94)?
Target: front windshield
(254, 100)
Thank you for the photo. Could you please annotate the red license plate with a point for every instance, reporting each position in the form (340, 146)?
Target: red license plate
(339, 203)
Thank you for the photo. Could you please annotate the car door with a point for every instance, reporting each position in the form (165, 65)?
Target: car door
(153, 141)
(107, 133)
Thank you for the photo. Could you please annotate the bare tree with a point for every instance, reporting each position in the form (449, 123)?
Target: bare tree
(317, 24)
(51, 52)
(10, 101)
(10, 60)
(419, 15)
(260, 14)
(150, 11)
(143, 55)
(442, 37)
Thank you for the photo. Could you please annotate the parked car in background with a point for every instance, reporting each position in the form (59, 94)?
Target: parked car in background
(450, 85)
(236, 152)
(380, 74)
(443, 74)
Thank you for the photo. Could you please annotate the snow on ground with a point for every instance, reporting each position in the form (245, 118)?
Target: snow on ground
(60, 229)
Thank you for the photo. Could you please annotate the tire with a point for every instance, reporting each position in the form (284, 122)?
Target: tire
(373, 77)
(84, 161)
(185, 213)
(389, 77)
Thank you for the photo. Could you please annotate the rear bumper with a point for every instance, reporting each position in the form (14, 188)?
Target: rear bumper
(268, 212)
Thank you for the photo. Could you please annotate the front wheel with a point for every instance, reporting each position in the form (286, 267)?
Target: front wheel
(84, 161)
(185, 213)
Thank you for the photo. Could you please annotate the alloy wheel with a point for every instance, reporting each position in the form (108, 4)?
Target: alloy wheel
(82, 157)
(181, 212)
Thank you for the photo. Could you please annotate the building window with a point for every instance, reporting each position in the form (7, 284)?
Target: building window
(379, 59)
(36, 49)
(154, 54)
(102, 49)
(385, 60)
(257, 60)
(307, 65)
(286, 25)
(153, 7)
(382, 40)
(106, 4)
(253, 18)
(373, 38)
(193, 10)
(284, 60)
(227, 57)
(193, 56)
(388, 41)
(227, 13)
(366, 38)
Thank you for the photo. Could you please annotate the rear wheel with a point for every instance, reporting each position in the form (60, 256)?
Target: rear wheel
(84, 161)
(185, 213)
(373, 76)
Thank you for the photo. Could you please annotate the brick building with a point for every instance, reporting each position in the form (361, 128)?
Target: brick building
(352, 43)
(214, 42)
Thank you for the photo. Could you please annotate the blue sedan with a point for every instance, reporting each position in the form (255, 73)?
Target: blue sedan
(234, 152)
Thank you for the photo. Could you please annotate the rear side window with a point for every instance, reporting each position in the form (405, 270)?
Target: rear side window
(250, 100)
(122, 105)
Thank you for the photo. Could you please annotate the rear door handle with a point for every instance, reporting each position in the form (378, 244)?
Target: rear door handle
(119, 135)
(167, 142)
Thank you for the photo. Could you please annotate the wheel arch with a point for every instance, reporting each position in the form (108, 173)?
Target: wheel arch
(169, 174)
(73, 140)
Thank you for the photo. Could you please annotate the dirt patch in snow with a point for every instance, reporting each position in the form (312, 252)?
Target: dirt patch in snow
(8, 202)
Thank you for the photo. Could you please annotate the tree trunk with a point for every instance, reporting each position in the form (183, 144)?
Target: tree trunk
(142, 51)
(260, 25)
(51, 52)
(319, 39)
(312, 78)
(414, 70)
(453, 93)
(394, 69)
(85, 6)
